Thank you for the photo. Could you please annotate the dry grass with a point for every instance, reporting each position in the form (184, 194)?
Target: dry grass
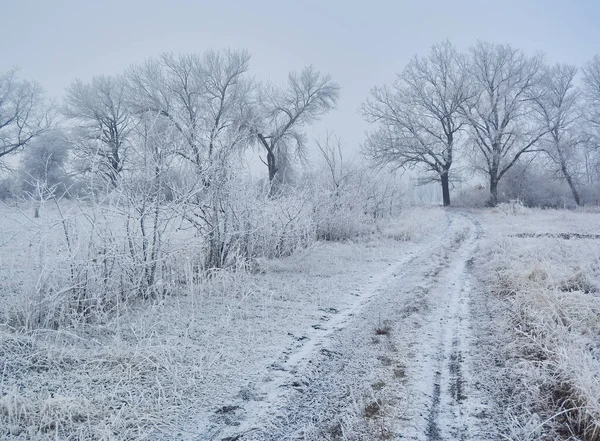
(552, 305)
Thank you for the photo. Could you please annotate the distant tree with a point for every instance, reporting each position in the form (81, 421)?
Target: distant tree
(102, 125)
(43, 163)
(286, 111)
(558, 110)
(24, 114)
(591, 96)
(418, 116)
(504, 82)
(591, 83)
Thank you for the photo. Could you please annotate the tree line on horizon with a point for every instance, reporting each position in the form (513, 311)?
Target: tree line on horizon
(493, 106)
(490, 109)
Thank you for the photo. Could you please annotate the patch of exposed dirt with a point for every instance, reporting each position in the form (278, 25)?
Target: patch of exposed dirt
(565, 236)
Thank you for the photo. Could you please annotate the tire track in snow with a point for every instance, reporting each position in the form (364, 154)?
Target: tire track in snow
(453, 405)
(322, 376)
(286, 372)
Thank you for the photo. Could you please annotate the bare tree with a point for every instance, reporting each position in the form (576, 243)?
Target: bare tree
(499, 113)
(103, 124)
(206, 101)
(557, 106)
(205, 98)
(44, 163)
(418, 116)
(23, 112)
(286, 111)
(591, 83)
(591, 95)
(337, 167)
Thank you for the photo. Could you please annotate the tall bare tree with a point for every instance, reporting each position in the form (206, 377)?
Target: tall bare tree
(286, 111)
(505, 81)
(102, 124)
(558, 109)
(418, 116)
(23, 112)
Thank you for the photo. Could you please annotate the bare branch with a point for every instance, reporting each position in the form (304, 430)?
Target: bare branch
(24, 114)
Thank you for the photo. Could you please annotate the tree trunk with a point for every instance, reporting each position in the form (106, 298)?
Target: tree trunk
(271, 165)
(569, 179)
(269, 147)
(445, 189)
(567, 175)
(493, 191)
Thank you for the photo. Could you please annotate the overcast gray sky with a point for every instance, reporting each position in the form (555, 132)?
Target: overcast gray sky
(361, 44)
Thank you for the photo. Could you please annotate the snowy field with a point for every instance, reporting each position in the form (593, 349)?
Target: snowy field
(442, 325)
(539, 278)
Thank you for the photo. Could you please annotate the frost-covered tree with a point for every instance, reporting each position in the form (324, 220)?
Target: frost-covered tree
(24, 114)
(102, 125)
(499, 112)
(591, 83)
(206, 98)
(417, 118)
(43, 164)
(204, 102)
(285, 112)
(558, 111)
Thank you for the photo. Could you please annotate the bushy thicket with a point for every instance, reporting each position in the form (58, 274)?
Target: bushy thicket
(534, 186)
(538, 187)
(90, 257)
(151, 178)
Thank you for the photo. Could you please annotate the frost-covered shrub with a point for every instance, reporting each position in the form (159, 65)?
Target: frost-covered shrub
(512, 207)
(84, 263)
(265, 226)
(351, 206)
(341, 214)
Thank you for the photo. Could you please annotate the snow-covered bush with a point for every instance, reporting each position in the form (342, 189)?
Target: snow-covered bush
(512, 207)
(349, 198)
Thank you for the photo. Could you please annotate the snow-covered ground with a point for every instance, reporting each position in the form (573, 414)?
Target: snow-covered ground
(400, 335)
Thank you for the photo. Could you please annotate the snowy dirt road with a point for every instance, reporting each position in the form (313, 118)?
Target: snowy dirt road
(396, 364)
